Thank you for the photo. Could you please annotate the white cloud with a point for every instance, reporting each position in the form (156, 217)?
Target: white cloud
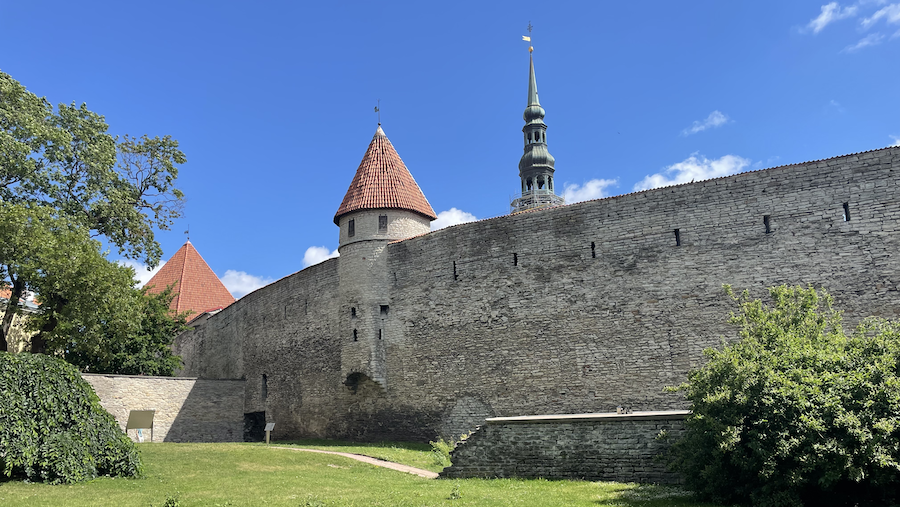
(594, 189)
(450, 217)
(715, 119)
(836, 105)
(694, 168)
(317, 254)
(240, 283)
(891, 14)
(830, 12)
(896, 140)
(869, 40)
(141, 275)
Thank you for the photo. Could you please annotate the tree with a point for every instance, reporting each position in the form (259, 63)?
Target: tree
(64, 161)
(796, 412)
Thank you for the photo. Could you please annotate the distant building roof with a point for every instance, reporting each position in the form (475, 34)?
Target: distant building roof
(383, 181)
(197, 288)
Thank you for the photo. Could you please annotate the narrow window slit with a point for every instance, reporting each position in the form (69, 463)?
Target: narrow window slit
(677, 237)
(355, 335)
(515, 259)
(379, 334)
(846, 212)
(455, 277)
(593, 251)
(767, 223)
(353, 311)
(384, 310)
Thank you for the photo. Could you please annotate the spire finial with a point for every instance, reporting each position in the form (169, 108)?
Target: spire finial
(378, 111)
(188, 233)
(528, 38)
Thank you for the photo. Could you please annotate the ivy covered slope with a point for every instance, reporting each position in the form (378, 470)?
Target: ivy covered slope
(52, 427)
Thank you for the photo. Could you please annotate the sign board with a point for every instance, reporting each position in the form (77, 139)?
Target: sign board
(269, 426)
(140, 419)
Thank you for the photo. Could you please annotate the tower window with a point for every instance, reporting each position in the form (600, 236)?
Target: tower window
(353, 311)
(768, 223)
(264, 388)
(846, 212)
(515, 259)
(384, 310)
(593, 251)
(677, 237)
(382, 223)
(351, 228)
(379, 334)
(355, 335)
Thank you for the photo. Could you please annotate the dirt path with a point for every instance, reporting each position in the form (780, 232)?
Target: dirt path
(372, 461)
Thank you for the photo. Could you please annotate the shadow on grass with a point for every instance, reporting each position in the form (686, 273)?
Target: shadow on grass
(648, 495)
(315, 442)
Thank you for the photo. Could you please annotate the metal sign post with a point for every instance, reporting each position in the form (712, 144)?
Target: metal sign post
(269, 428)
(140, 419)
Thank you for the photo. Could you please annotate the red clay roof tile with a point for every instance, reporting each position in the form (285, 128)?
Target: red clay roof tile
(197, 288)
(383, 181)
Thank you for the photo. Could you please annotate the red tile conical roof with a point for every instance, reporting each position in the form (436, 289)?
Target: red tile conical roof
(197, 288)
(383, 181)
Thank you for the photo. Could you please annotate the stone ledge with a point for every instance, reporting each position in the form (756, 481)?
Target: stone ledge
(598, 416)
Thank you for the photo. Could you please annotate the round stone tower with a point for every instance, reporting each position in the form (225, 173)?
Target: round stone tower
(383, 204)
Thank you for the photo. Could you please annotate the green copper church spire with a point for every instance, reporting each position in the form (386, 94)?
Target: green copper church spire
(536, 165)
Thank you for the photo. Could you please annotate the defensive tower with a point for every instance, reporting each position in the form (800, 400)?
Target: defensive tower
(536, 165)
(383, 204)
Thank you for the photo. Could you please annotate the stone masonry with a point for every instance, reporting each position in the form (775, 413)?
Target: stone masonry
(594, 447)
(572, 309)
(187, 409)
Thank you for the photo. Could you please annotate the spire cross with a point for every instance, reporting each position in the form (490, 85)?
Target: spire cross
(528, 38)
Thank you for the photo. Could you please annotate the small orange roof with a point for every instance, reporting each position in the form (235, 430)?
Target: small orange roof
(383, 181)
(197, 288)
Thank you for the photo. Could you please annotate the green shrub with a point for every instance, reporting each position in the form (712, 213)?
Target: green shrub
(52, 427)
(796, 412)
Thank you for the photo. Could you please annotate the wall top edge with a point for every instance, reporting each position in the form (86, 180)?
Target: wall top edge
(599, 416)
(157, 377)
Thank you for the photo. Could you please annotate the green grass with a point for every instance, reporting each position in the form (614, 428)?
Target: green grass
(409, 453)
(254, 475)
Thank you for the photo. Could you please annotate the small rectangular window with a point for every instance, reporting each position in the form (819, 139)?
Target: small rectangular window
(515, 259)
(767, 223)
(677, 237)
(379, 334)
(382, 223)
(353, 311)
(351, 228)
(384, 310)
(593, 251)
(846, 212)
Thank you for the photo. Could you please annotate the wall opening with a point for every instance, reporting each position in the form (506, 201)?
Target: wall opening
(384, 310)
(455, 276)
(264, 389)
(353, 312)
(351, 228)
(360, 382)
(677, 237)
(254, 426)
(593, 251)
(382, 223)
(515, 259)
(355, 335)
(380, 333)
(846, 212)
(767, 223)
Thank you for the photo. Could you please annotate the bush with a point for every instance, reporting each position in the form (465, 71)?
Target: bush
(796, 412)
(52, 427)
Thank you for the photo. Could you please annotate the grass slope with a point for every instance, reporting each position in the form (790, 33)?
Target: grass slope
(253, 475)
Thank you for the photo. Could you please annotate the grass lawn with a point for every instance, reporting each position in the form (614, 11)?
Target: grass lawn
(254, 475)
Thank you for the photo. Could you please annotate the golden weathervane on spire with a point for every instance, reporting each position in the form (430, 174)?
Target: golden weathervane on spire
(528, 38)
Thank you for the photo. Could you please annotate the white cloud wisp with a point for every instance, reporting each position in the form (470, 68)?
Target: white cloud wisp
(141, 274)
(317, 254)
(593, 189)
(715, 119)
(831, 12)
(240, 283)
(891, 14)
(872, 39)
(450, 217)
(694, 168)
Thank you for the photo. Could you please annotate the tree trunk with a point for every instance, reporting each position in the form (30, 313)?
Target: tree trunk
(12, 308)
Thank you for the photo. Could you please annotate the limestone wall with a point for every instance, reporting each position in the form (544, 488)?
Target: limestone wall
(187, 409)
(594, 447)
(574, 309)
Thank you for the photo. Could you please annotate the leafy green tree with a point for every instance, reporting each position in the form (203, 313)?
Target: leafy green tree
(796, 412)
(64, 161)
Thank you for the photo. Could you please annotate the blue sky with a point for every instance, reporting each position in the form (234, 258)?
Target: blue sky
(273, 102)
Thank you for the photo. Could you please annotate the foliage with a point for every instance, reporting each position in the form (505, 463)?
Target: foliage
(52, 427)
(796, 412)
(440, 450)
(61, 171)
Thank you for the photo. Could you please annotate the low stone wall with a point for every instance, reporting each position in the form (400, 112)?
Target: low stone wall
(187, 409)
(596, 447)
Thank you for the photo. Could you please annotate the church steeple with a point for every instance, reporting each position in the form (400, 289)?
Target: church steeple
(536, 165)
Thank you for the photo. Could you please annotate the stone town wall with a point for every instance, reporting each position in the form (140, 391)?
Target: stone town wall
(187, 409)
(574, 309)
(594, 447)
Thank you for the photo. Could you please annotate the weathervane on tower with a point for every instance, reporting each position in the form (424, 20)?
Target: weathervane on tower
(527, 38)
